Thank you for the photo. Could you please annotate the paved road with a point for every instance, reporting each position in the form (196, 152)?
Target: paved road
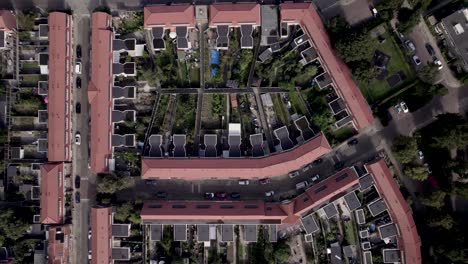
(80, 161)
(221, 90)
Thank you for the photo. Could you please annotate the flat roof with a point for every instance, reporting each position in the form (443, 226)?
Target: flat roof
(360, 216)
(203, 233)
(352, 201)
(227, 233)
(155, 142)
(120, 253)
(309, 224)
(367, 256)
(302, 124)
(256, 140)
(234, 142)
(399, 211)
(388, 230)
(391, 256)
(210, 142)
(377, 207)
(250, 232)
(269, 17)
(234, 14)
(272, 233)
(59, 94)
(52, 193)
(169, 16)
(180, 232)
(207, 168)
(306, 15)
(282, 134)
(246, 36)
(100, 92)
(121, 230)
(179, 145)
(330, 210)
(459, 41)
(365, 182)
(156, 232)
(101, 235)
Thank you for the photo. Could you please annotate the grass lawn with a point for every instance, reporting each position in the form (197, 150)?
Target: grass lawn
(343, 133)
(377, 90)
(297, 104)
(350, 232)
(280, 109)
(185, 115)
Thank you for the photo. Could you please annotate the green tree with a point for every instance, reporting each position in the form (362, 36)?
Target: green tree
(22, 250)
(428, 73)
(408, 19)
(434, 199)
(282, 252)
(451, 138)
(356, 47)
(460, 189)
(405, 149)
(12, 227)
(445, 221)
(25, 20)
(364, 72)
(416, 172)
(338, 25)
(111, 183)
(123, 211)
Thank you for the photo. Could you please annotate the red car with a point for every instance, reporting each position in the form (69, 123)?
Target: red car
(265, 181)
(221, 195)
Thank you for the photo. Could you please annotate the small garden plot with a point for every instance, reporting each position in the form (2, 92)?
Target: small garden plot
(214, 111)
(241, 68)
(184, 122)
(130, 23)
(28, 103)
(280, 110)
(31, 80)
(30, 67)
(189, 68)
(248, 112)
(160, 113)
(297, 103)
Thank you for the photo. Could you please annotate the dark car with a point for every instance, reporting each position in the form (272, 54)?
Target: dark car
(430, 49)
(161, 194)
(77, 182)
(265, 181)
(353, 142)
(77, 197)
(235, 195)
(78, 83)
(339, 165)
(78, 51)
(220, 195)
(317, 161)
(78, 108)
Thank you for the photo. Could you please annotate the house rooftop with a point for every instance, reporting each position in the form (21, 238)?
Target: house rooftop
(7, 20)
(52, 193)
(456, 30)
(59, 244)
(234, 14)
(169, 16)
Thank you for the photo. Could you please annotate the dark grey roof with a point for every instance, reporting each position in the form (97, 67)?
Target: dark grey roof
(2, 39)
(272, 233)
(118, 116)
(43, 116)
(12, 171)
(127, 44)
(156, 232)
(302, 125)
(309, 54)
(330, 210)
(361, 217)
(309, 224)
(265, 55)
(120, 253)
(181, 32)
(227, 233)
(365, 182)
(282, 134)
(377, 207)
(256, 141)
(123, 92)
(117, 68)
(222, 42)
(391, 255)
(349, 251)
(43, 31)
(250, 233)
(159, 43)
(335, 255)
(42, 145)
(352, 201)
(388, 230)
(367, 256)
(458, 42)
(246, 39)
(155, 142)
(203, 233)
(223, 30)
(180, 232)
(323, 80)
(234, 145)
(43, 87)
(337, 105)
(284, 29)
(121, 230)
(158, 32)
(43, 59)
(129, 68)
(123, 140)
(182, 43)
(269, 16)
(210, 143)
(179, 145)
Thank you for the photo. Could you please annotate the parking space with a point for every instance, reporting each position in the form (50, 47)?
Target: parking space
(356, 11)
(420, 39)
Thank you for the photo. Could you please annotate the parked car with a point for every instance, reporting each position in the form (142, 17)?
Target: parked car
(404, 107)
(77, 197)
(430, 49)
(78, 108)
(78, 51)
(221, 195)
(161, 195)
(269, 193)
(209, 195)
(235, 195)
(416, 60)
(307, 167)
(353, 142)
(316, 177)
(77, 181)
(374, 11)
(151, 182)
(78, 138)
(78, 67)
(410, 45)
(420, 155)
(265, 181)
(78, 83)
(302, 185)
(438, 64)
(398, 108)
(293, 174)
(244, 182)
(317, 161)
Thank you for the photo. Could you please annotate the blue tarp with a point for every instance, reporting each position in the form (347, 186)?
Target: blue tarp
(214, 57)
(214, 71)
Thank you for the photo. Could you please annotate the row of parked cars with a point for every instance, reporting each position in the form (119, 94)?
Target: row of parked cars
(430, 50)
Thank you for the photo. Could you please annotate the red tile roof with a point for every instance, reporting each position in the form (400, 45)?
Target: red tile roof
(7, 20)
(286, 212)
(52, 193)
(234, 14)
(101, 235)
(59, 106)
(399, 211)
(100, 92)
(306, 15)
(169, 16)
(58, 249)
(207, 168)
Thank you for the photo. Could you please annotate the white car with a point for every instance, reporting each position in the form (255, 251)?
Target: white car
(293, 174)
(244, 182)
(404, 107)
(410, 45)
(307, 167)
(78, 138)
(398, 108)
(316, 177)
(420, 155)
(78, 68)
(302, 185)
(269, 194)
(438, 64)
(416, 60)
